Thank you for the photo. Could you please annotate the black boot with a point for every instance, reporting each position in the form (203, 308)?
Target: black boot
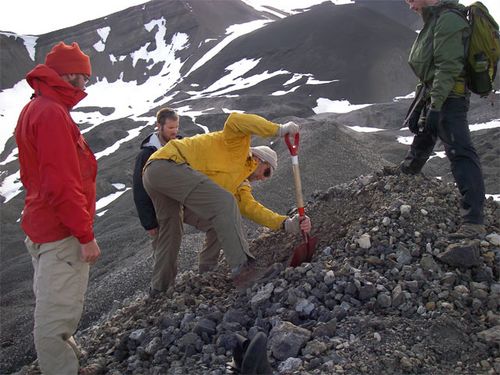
(255, 360)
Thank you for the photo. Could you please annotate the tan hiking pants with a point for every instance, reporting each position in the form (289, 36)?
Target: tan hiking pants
(171, 186)
(59, 283)
(209, 255)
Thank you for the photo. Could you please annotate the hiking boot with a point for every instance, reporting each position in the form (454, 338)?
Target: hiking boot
(392, 170)
(154, 293)
(246, 275)
(468, 230)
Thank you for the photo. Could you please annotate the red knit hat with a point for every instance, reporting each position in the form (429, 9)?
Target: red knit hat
(66, 59)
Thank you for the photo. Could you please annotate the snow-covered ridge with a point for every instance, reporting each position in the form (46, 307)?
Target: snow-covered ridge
(28, 40)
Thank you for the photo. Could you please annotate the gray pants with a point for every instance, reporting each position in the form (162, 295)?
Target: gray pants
(171, 186)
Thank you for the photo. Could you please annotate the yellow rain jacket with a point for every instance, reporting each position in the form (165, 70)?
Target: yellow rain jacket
(225, 157)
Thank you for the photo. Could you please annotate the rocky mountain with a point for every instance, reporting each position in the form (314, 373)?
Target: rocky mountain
(339, 70)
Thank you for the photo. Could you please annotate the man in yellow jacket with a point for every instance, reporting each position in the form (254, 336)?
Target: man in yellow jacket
(209, 175)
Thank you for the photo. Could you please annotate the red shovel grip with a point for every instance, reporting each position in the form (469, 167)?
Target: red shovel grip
(294, 148)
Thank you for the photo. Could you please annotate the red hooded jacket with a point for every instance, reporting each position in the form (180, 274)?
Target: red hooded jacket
(58, 169)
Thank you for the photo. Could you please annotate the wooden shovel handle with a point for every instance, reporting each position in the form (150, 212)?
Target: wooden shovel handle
(298, 188)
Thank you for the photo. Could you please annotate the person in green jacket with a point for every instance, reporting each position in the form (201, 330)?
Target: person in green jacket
(438, 60)
(209, 175)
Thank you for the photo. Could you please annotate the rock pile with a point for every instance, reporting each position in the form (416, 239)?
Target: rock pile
(386, 293)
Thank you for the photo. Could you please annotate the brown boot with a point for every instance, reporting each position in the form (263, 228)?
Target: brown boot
(246, 275)
(467, 231)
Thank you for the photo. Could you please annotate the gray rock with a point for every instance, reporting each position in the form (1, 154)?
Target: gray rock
(462, 255)
(493, 239)
(412, 286)
(227, 341)
(491, 336)
(329, 278)
(364, 241)
(495, 289)
(384, 300)
(449, 278)
(186, 322)
(428, 263)
(367, 291)
(327, 251)
(405, 210)
(189, 339)
(236, 315)
(138, 335)
(289, 366)
(262, 296)
(325, 329)
(403, 256)
(153, 346)
(205, 326)
(304, 307)
(286, 340)
(398, 296)
(314, 348)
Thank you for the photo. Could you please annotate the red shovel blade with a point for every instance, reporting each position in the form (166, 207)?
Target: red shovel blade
(304, 252)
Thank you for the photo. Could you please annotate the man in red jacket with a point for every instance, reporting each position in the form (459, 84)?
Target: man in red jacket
(58, 171)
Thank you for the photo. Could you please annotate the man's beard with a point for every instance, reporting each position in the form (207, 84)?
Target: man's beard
(74, 82)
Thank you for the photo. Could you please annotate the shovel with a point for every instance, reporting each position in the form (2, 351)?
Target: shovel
(304, 252)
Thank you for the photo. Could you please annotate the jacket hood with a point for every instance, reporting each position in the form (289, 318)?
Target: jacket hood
(152, 140)
(430, 10)
(46, 82)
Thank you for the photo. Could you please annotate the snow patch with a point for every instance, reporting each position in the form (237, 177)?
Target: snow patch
(233, 32)
(405, 140)
(11, 102)
(290, 6)
(11, 186)
(282, 92)
(364, 129)
(312, 81)
(119, 186)
(493, 124)
(134, 133)
(105, 201)
(336, 106)
(438, 154)
(103, 34)
(123, 95)
(11, 157)
(411, 95)
(294, 78)
(227, 110)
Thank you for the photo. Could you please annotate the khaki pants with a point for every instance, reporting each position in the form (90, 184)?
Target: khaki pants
(171, 186)
(209, 255)
(59, 283)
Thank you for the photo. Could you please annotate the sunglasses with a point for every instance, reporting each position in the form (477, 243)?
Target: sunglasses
(267, 172)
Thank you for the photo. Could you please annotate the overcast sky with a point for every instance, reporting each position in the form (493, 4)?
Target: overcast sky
(39, 17)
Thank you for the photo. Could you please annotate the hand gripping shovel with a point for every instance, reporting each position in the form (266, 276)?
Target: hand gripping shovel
(304, 252)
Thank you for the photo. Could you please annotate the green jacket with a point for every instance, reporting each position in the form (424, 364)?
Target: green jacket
(438, 54)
